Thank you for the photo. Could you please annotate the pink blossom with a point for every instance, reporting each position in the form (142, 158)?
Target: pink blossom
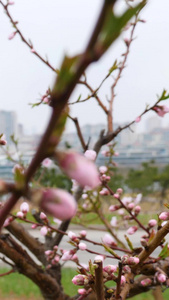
(132, 230)
(119, 191)
(104, 192)
(138, 198)
(129, 260)
(43, 216)
(24, 207)
(8, 221)
(20, 214)
(82, 246)
(72, 235)
(84, 196)
(82, 291)
(57, 221)
(109, 269)
(123, 280)
(113, 222)
(90, 154)
(103, 169)
(78, 167)
(138, 119)
(44, 230)
(137, 209)
(152, 223)
(49, 252)
(12, 35)
(99, 257)
(126, 200)
(59, 203)
(146, 282)
(67, 255)
(108, 240)
(116, 196)
(131, 205)
(161, 277)
(83, 233)
(80, 279)
(46, 162)
(121, 211)
(113, 208)
(34, 226)
(161, 110)
(164, 216)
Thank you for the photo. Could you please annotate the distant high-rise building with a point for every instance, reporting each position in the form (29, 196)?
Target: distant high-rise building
(153, 123)
(8, 123)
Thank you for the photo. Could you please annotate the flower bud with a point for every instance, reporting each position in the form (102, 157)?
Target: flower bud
(113, 208)
(82, 246)
(161, 277)
(129, 260)
(108, 240)
(20, 214)
(152, 223)
(57, 202)
(132, 230)
(109, 269)
(80, 279)
(123, 280)
(103, 169)
(24, 207)
(164, 216)
(82, 291)
(146, 282)
(83, 233)
(79, 168)
(90, 154)
(137, 209)
(44, 230)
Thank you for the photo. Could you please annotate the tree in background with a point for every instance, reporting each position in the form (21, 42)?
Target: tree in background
(136, 269)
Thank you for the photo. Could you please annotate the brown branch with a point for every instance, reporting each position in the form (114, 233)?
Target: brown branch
(79, 132)
(29, 44)
(28, 240)
(118, 283)
(99, 285)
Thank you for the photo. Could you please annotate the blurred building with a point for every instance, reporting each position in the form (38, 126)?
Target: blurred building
(8, 124)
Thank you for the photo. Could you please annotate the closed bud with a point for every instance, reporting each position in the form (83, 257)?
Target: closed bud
(80, 279)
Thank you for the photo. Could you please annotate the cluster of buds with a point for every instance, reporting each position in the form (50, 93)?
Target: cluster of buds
(108, 272)
(80, 279)
(52, 256)
(129, 260)
(24, 208)
(80, 245)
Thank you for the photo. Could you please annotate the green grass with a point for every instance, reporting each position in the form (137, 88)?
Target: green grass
(18, 285)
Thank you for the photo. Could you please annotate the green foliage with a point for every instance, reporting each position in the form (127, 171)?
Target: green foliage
(117, 179)
(53, 178)
(163, 179)
(142, 180)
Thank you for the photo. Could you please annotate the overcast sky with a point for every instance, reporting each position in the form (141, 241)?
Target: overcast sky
(57, 27)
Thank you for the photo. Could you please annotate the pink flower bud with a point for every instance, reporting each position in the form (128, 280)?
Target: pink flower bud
(103, 169)
(109, 269)
(161, 277)
(126, 269)
(161, 110)
(8, 221)
(12, 35)
(138, 119)
(123, 280)
(58, 203)
(132, 230)
(79, 168)
(82, 291)
(119, 191)
(108, 240)
(67, 255)
(90, 154)
(116, 196)
(84, 196)
(83, 233)
(24, 207)
(20, 214)
(72, 235)
(82, 246)
(129, 260)
(99, 257)
(34, 226)
(121, 211)
(33, 51)
(137, 209)
(152, 223)
(46, 162)
(164, 216)
(43, 216)
(104, 192)
(131, 206)
(48, 252)
(146, 282)
(44, 230)
(80, 279)
(113, 208)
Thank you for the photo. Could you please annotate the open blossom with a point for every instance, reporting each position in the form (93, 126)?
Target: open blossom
(161, 110)
(90, 154)
(58, 203)
(78, 167)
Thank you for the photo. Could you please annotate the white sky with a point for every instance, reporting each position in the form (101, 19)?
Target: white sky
(57, 27)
